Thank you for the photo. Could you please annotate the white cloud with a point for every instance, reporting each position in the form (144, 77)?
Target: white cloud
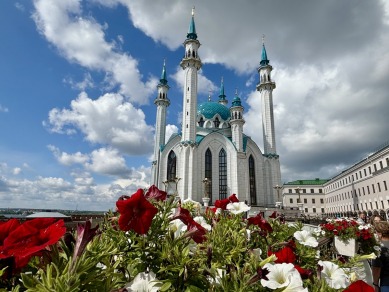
(81, 39)
(107, 120)
(66, 158)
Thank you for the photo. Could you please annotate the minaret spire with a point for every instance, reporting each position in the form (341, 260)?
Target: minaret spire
(237, 122)
(162, 102)
(265, 87)
(192, 28)
(222, 96)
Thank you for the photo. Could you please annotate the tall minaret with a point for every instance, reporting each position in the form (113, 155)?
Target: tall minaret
(222, 96)
(191, 64)
(265, 87)
(237, 122)
(162, 102)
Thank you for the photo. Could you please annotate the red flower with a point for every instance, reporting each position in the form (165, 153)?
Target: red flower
(273, 215)
(359, 286)
(196, 231)
(284, 255)
(222, 204)
(261, 223)
(136, 213)
(182, 214)
(29, 238)
(6, 228)
(233, 199)
(156, 194)
(304, 273)
(84, 235)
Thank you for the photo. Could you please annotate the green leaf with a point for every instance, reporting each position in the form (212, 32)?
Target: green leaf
(165, 286)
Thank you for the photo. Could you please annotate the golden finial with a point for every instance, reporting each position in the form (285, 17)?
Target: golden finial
(263, 39)
(193, 9)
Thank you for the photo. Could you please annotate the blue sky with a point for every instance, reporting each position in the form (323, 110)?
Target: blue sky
(78, 80)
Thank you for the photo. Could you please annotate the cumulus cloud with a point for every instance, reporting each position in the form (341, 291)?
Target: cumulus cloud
(81, 39)
(107, 120)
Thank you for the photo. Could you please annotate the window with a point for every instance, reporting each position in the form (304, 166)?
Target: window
(313, 201)
(320, 191)
(253, 191)
(369, 170)
(373, 189)
(201, 122)
(321, 201)
(379, 187)
(385, 186)
(368, 190)
(314, 210)
(381, 165)
(312, 190)
(305, 201)
(291, 200)
(322, 210)
(216, 122)
(375, 167)
(290, 191)
(304, 191)
(222, 174)
(364, 171)
(208, 172)
(171, 165)
(306, 210)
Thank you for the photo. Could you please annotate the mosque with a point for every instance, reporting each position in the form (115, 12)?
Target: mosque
(212, 156)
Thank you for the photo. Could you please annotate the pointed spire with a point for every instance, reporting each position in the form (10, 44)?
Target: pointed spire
(236, 101)
(192, 28)
(222, 96)
(163, 79)
(264, 60)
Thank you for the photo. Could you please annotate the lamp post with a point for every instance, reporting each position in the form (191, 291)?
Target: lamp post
(278, 203)
(300, 205)
(206, 199)
(171, 186)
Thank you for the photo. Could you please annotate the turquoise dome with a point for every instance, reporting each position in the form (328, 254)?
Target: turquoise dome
(210, 108)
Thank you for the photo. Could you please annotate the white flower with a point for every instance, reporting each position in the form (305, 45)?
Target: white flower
(283, 275)
(238, 207)
(202, 222)
(306, 238)
(143, 282)
(178, 227)
(335, 277)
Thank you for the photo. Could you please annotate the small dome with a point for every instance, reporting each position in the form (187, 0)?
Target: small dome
(210, 108)
(236, 101)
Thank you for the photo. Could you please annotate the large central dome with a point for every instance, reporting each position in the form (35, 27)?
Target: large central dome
(210, 108)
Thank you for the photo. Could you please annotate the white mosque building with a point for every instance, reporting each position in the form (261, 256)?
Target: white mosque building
(212, 146)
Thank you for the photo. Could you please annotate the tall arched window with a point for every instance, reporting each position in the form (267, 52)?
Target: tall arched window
(253, 190)
(208, 172)
(222, 174)
(216, 122)
(171, 165)
(201, 122)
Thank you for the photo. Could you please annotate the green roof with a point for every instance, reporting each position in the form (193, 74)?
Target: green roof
(316, 181)
(210, 108)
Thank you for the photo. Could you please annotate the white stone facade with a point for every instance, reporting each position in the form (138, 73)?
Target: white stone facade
(212, 144)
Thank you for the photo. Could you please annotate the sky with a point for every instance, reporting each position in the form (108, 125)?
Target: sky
(78, 80)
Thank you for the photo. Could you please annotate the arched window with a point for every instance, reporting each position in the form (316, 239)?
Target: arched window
(201, 122)
(253, 190)
(208, 172)
(222, 174)
(171, 165)
(216, 122)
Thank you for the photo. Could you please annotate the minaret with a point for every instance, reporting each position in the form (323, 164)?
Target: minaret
(162, 102)
(222, 96)
(265, 87)
(237, 122)
(191, 64)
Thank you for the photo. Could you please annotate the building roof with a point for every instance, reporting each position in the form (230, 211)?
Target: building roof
(316, 181)
(47, 215)
(210, 108)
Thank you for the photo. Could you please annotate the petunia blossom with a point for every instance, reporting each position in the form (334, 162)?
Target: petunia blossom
(335, 277)
(202, 222)
(283, 276)
(359, 286)
(196, 231)
(238, 207)
(284, 255)
(145, 282)
(29, 238)
(136, 213)
(260, 222)
(154, 193)
(305, 238)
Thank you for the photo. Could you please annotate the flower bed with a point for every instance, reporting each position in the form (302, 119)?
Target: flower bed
(157, 243)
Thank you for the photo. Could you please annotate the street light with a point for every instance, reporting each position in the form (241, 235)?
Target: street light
(171, 186)
(278, 203)
(206, 199)
(299, 203)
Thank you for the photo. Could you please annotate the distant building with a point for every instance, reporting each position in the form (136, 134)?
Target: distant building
(311, 195)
